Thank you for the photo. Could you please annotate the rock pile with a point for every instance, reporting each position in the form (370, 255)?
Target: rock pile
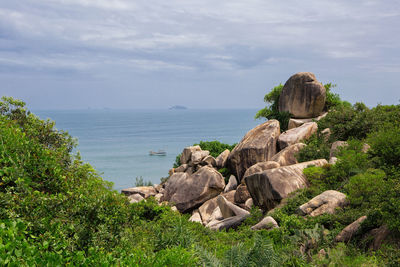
(264, 165)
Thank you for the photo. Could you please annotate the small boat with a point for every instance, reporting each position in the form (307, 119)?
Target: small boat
(158, 153)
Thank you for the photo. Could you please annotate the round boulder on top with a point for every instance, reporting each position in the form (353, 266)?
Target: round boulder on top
(303, 96)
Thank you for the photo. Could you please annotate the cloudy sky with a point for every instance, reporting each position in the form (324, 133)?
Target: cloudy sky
(202, 54)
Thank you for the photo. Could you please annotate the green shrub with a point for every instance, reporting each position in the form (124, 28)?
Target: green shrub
(317, 148)
(385, 146)
(215, 147)
(271, 111)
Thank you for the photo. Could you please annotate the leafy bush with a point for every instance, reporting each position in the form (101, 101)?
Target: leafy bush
(271, 111)
(385, 146)
(215, 147)
(317, 148)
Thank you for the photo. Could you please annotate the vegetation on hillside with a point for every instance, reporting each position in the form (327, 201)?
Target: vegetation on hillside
(57, 210)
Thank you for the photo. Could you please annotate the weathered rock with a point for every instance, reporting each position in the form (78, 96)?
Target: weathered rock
(379, 235)
(336, 146)
(296, 135)
(144, 191)
(269, 187)
(232, 184)
(365, 148)
(190, 170)
(215, 215)
(326, 133)
(190, 191)
(266, 223)
(294, 123)
(135, 198)
(287, 156)
(198, 156)
(249, 203)
(259, 167)
(158, 197)
(206, 210)
(241, 194)
(173, 208)
(209, 160)
(187, 153)
(348, 232)
(327, 202)
(182, 168)
(228, 223)
(222, 159)
(229, 209)
(196, 217)
(258, 145)
(302, 96)
(333, 160)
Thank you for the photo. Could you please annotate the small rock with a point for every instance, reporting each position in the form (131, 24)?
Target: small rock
(242, 194)
(249, 204)
(187, 153)
(232, 184)
(336, 146)
(287, 156)
(209, 160)
(173, 208)
(229, 209)
(198, 156)
(171, 172)
(196, 217)
(379, 235)
(333, 160)
(327, 202)
(296, 135)
(135, 198)
(182, 168)
(326, 133)
(347, 233)
(222, 159)
(158, 197)
(294, 123)
(144, 191)
(365, 148)
(266, 223)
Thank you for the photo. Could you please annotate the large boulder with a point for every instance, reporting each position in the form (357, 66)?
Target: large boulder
(187, 153)
(222, 159)
(144, 191)
(258, 145)
(269, 187)
(209, 160)
(267, 223)
(190, 191)
(296, 135)
(294, 123)
(303, 96)
(229, 209)
(206, 210)
(287, 156)
(348, 232)
(326, 202)
(259, 167)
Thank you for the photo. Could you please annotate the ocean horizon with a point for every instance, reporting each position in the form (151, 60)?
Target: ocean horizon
(116, 142)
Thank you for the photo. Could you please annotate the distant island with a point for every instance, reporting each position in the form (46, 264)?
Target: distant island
(177, 107)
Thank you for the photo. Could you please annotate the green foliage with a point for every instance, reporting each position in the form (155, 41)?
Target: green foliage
(385, 146)
(317, 148)
(215, 147)
(271, 111)
(177, 162)
(333, 100)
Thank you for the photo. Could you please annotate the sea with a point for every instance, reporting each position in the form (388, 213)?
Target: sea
(117, 142)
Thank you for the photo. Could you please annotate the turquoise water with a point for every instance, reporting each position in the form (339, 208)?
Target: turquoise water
(117, 142)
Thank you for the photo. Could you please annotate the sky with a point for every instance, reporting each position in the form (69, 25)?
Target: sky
(79, 54)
